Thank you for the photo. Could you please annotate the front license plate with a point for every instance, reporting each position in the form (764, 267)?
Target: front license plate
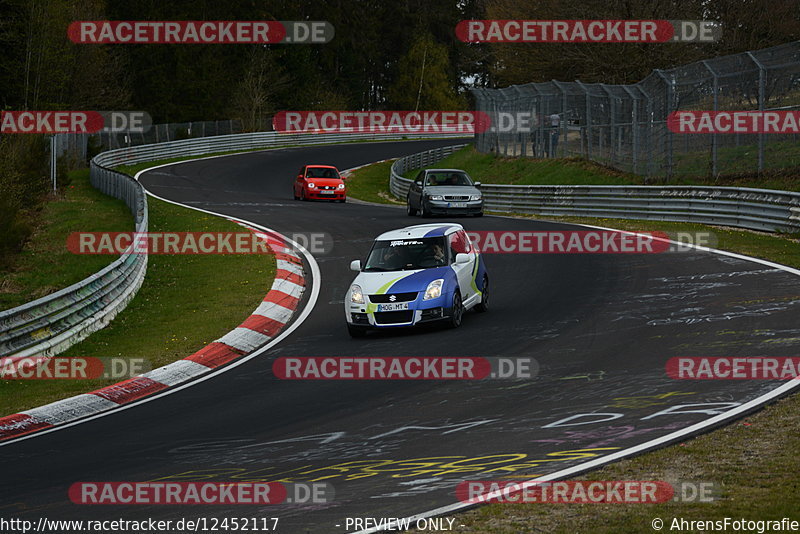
(395, 306)
(326, 192)
(456, 204)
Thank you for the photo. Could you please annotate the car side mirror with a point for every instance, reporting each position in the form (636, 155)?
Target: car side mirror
(478, 185)
(462, 258)
(355, 265)
(299, 176)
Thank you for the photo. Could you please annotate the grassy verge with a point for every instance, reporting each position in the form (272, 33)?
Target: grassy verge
(370, 183)
(45, 265)
(184, 303)
(754, 461)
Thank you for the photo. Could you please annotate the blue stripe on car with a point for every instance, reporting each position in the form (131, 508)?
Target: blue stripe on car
(419, 281)
(437, 232)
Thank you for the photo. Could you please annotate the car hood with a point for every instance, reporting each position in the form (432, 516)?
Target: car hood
(452, 190)
(399, 281)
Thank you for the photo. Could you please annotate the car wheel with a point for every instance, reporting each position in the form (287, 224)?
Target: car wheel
(303, 194)
(425, 212)
(356, 331)
(483, 305)
(458, 311)
(409, 210)
(479, 214)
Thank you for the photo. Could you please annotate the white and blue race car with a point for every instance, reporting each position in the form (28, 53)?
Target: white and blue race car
(414, 275)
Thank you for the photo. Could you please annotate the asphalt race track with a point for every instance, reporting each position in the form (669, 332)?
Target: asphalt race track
(600, 326)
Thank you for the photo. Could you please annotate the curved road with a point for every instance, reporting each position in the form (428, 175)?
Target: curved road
(600, 326)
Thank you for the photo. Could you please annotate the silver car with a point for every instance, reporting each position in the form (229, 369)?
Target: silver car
(444, 192)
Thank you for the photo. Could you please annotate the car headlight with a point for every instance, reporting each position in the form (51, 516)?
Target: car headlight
(356, 296)
(311, 185)
(340, 186)
(435, 197)
(434, 289)
(475, 197)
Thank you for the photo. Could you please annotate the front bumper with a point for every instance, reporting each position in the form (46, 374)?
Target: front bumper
(443, 207)
(419, 312)
(316, 194)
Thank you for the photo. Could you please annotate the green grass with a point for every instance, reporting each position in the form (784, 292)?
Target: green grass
(184, 303)
(45, 265)
(370, 183)
(491, 169)
(736, 163)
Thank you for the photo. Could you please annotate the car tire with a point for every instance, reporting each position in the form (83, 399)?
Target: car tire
(425, 213)
(303, 195)
(457, 314)
(411, 212)
(483, 305)
(356, 331)
(479, 214)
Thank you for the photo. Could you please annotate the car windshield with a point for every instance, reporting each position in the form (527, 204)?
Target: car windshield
(321, 172)
(447, 178)
(407, 254)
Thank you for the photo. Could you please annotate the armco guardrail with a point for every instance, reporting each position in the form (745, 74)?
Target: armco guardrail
(754, 209)
(257, 140)
(49, 325)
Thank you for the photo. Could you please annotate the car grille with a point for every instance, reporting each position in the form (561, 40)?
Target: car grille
(393, 317)
(456, 197)
(398, 297)
(327, 187)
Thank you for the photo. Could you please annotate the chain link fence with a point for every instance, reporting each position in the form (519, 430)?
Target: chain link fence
(625, 126)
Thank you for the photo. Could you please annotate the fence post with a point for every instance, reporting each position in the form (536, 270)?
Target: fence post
(634, 126)
(564, 118)
(668, 108)
(761, 98)
(588, 116)
(612, 108)
(714, 170)
(53, 162)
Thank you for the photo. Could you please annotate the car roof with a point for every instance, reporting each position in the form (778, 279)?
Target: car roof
(321, 166)
(420, 230)
(446, 170)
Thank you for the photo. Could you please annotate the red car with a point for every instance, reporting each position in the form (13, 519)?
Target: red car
(319, 182)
